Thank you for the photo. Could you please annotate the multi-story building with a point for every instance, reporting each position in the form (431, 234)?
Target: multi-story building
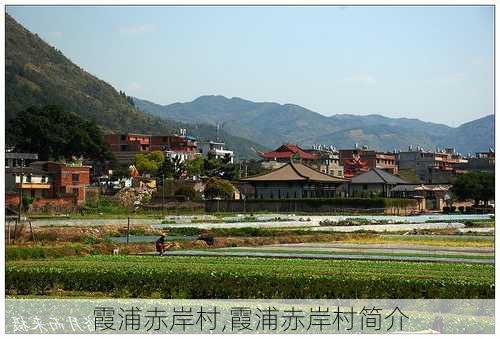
(359, 160)
(180, 146)
(329, 160)
(440, 166)
(126, 146)
(216, 150)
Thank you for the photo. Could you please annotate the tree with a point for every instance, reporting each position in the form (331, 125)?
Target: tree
(210, 167)
(172, 168)
(194, 167)
(478, 186)
(149, 163)
(229, 171)
(216, 188)
(55, 134)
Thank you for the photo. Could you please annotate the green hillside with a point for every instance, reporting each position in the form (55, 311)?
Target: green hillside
(39, 74)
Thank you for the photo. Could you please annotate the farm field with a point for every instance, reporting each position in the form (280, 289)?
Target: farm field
(354, 251)
(215, 277)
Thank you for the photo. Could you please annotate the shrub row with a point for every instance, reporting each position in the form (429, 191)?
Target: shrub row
(178, 277)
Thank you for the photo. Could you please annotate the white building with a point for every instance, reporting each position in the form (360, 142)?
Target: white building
(215, 149)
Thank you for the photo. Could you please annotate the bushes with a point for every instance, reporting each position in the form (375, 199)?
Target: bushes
(42, 252)
(204, 277)
(186, 191)
(104, 205)
(216, 188)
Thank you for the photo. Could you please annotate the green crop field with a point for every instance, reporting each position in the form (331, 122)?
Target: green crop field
(209, 277)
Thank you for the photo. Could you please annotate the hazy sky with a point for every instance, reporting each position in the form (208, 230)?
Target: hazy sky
(432, 63)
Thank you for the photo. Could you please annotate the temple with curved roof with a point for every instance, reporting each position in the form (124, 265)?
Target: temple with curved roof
(294, 181)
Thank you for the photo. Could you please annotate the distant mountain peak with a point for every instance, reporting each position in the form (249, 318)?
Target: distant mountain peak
(272, 123)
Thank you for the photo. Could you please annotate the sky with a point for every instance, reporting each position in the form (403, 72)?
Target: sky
(432, 63)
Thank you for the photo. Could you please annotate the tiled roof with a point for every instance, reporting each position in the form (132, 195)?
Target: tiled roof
(287, 151)
(295, 172)
(377, 176)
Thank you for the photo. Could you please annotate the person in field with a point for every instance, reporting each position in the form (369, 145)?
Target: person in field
(161, 245)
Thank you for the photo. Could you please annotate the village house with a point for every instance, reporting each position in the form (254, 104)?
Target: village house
(294, 181)
(46, 180)
(373, 182)
(33, 181)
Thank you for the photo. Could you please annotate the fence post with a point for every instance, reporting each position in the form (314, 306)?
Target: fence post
(15, 230)
(8, 232)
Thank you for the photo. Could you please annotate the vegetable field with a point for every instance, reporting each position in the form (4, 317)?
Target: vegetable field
(211, 277)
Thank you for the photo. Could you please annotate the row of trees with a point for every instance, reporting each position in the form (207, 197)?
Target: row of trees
(477, 186)
(156, 164)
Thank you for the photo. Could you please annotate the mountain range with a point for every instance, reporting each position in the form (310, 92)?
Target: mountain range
(273, 124)
(39, 74)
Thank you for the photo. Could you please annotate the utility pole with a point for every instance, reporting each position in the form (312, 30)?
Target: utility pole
(163, 195)
(21, 191)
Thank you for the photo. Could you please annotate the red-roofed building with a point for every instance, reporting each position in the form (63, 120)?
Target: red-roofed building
(323, 159)
(285, 153)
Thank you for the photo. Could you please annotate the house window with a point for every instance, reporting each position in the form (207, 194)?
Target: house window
(123, 137)
(75, 192)
(44, 179)
(365, 186)
(28, 178)
(75, 177)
